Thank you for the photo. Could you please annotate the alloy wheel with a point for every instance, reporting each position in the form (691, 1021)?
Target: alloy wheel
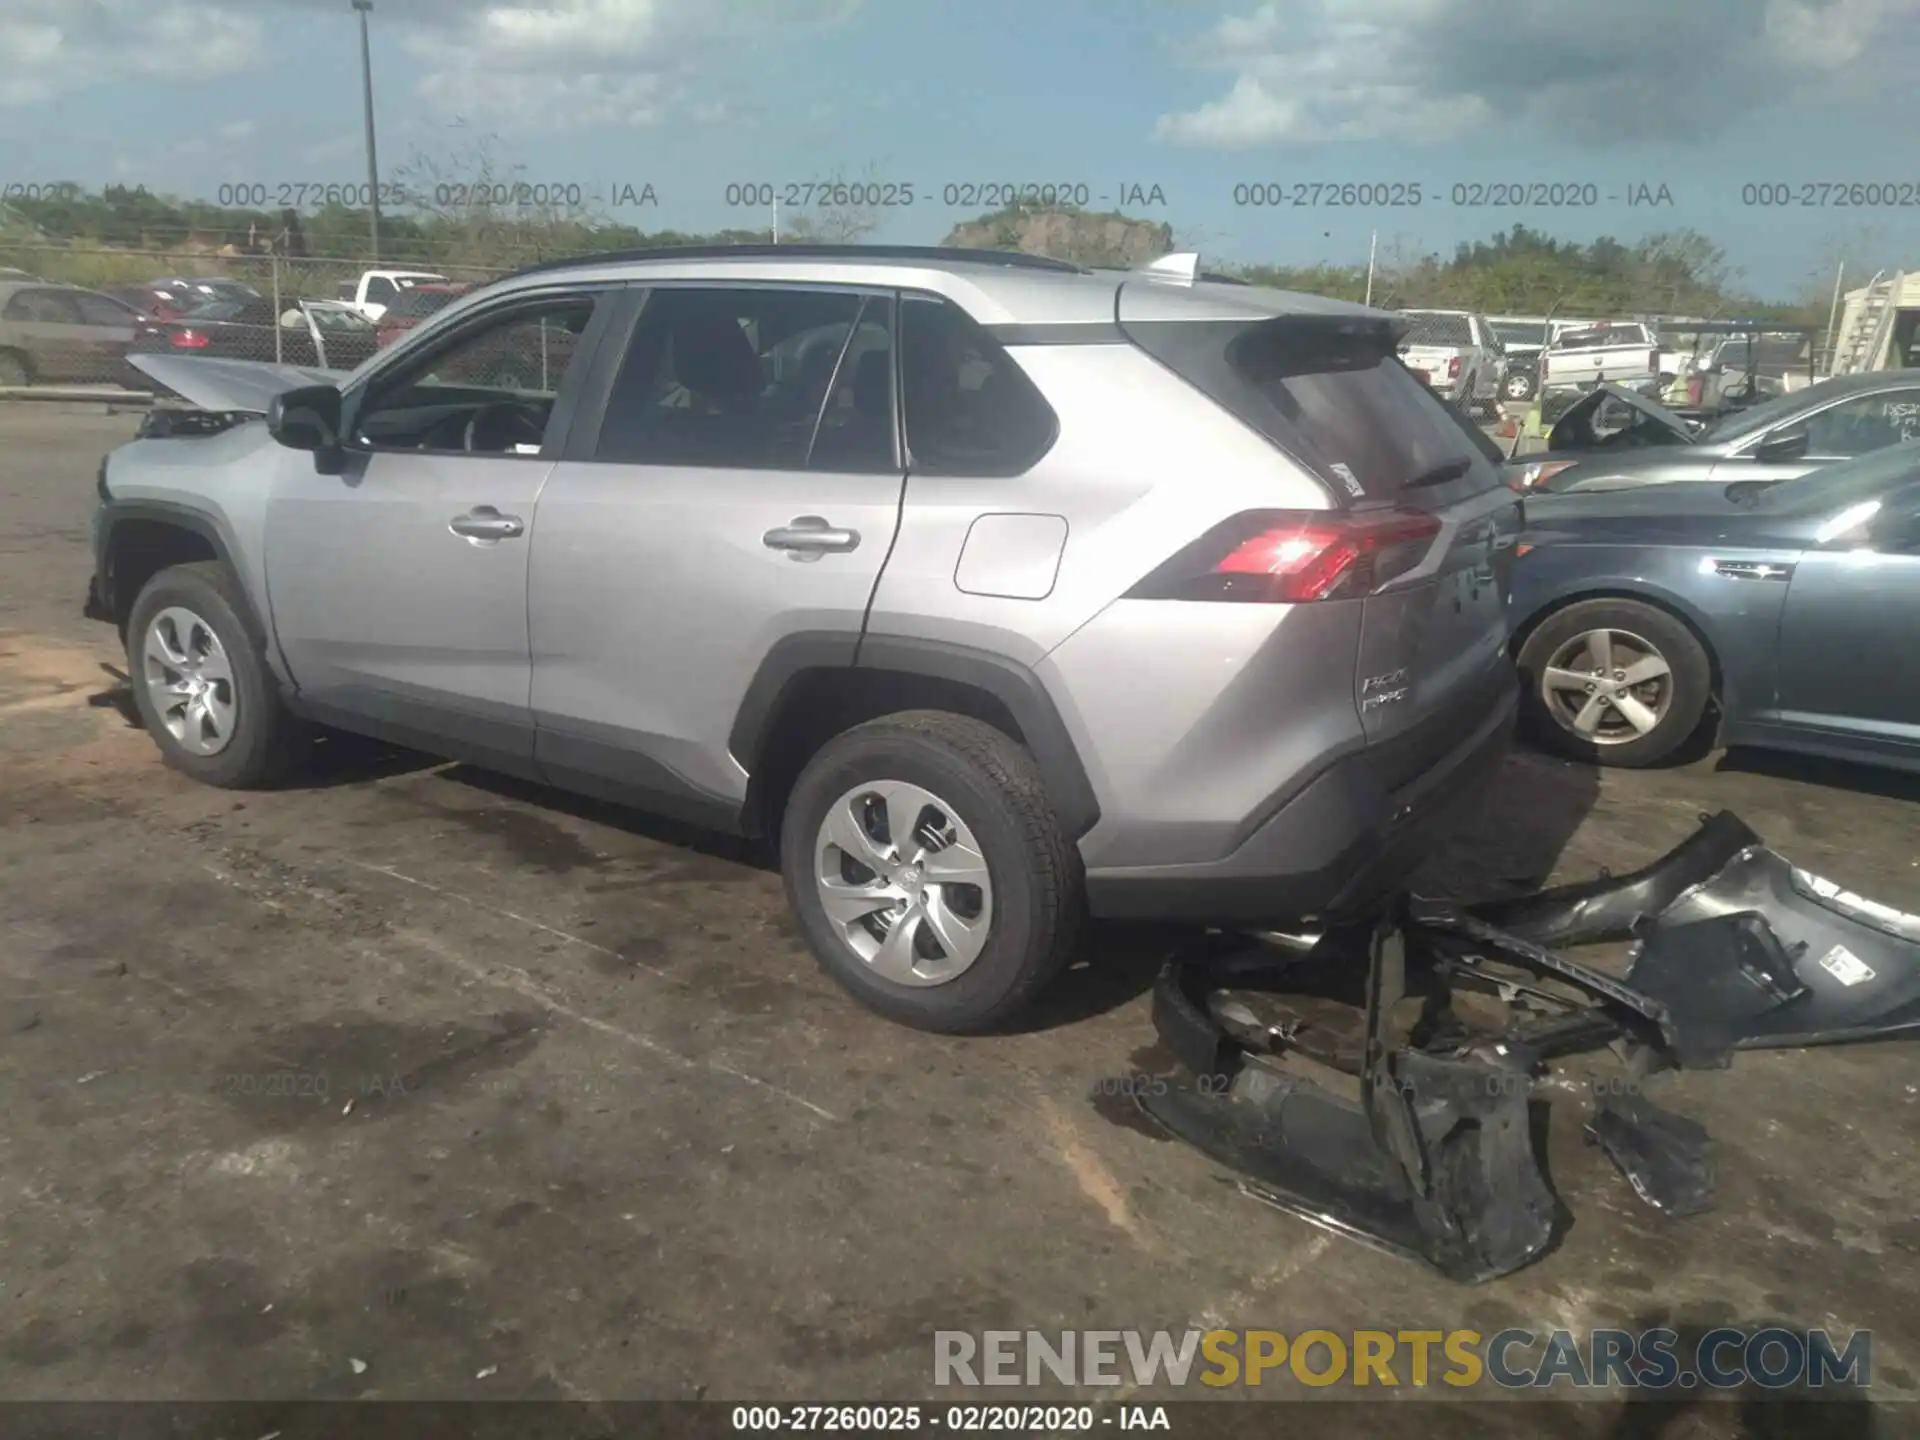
(189, 681)
(903, 882)
(1607, 686)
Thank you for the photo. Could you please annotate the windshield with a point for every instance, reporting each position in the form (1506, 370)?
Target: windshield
(1833, 487)
(1437, 330)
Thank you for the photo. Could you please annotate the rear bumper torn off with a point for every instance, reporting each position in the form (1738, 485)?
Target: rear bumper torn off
(1419, 1136)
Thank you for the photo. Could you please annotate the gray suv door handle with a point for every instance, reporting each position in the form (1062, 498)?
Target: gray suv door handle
(483, 522)
(809, 537)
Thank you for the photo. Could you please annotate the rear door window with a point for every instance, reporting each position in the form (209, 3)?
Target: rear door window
(755, 377)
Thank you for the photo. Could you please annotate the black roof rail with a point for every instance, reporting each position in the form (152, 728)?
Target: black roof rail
(945, 254)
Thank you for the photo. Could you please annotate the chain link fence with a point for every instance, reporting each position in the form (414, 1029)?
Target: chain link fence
(311, 311)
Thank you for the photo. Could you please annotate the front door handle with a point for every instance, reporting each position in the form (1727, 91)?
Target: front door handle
(483, 523)
(808, 537)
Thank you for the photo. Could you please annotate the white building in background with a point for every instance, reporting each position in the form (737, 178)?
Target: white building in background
(1876, 326)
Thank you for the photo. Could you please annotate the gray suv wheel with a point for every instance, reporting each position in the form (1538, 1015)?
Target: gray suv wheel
(201, 682)
(927, 870)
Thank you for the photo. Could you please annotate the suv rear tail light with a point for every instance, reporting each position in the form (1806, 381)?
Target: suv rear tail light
(189, 340)
(1653, 362)
(1288, 557)
(1543, 364)
(1453, 367)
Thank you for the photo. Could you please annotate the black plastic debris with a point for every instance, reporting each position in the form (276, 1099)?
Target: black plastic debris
(1419, 1140)
(1430, 1157)
(1664, 1156)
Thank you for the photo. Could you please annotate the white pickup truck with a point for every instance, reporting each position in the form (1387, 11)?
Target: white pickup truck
(1623, 351)
(1456, 353)
(377, 289)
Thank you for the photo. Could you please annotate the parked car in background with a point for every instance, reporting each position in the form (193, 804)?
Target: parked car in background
(187, 292)
(1522, 338)
(1787, 609)
(711, 589)
(314, 333)
(1615, 438)
(152, 303)
(375, 290)
(413, 305)
(1456, 353)
(1620, 351)
(61, 334)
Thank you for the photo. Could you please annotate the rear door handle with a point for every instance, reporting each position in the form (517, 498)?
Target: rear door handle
(808, 537)
(483, 523)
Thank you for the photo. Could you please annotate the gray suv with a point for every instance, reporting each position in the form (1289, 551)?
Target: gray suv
(994, 590)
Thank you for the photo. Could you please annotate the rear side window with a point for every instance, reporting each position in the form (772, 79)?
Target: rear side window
(46, 307)
(1331, 393)
(380, 289)
(970, 408)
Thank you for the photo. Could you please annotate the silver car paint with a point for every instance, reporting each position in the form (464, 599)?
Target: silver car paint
(372, 592)
(652, 597)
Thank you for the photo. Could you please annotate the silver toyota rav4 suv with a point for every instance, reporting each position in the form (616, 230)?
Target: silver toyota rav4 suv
(996, 591)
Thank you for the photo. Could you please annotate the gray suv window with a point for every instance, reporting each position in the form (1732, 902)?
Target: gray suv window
(489, 389)
(970, 408)
(756, 378)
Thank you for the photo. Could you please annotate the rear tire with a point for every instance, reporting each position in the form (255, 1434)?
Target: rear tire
(186, 641)
(1606, 717)
(974, 805)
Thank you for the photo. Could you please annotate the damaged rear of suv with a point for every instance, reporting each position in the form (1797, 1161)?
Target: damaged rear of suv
(993, 591)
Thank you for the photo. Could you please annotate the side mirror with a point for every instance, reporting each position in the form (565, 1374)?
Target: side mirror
(1788, 444)
(307, 419)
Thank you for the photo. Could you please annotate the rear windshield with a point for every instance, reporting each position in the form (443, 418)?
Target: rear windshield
(1438, 330)
(1598, 335)
(412, 304)
(1516, 334)
(1332, 395)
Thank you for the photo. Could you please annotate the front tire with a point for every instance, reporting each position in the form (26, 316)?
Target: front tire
(201, 682)
(928, 872)
(1615, 682)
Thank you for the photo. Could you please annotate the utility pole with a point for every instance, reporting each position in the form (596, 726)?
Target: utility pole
(373, 162)
(1373, 246)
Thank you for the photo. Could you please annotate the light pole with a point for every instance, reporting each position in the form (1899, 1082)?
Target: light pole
(373, 163)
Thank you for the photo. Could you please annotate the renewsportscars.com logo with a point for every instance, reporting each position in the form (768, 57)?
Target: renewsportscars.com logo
(1773, 1358)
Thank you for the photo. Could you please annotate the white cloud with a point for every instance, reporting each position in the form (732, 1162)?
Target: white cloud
(571, 64)
(529, 64)
(53, 47)
(1437, 71)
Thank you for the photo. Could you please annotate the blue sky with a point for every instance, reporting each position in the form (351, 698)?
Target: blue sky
(1704, 98)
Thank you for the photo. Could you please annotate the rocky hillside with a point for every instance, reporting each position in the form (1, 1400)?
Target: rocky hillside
(1085, 239)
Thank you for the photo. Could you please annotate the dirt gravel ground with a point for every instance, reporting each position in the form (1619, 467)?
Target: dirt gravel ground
(417, 1068)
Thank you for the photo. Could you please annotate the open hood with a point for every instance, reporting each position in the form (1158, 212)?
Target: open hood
(214, 384)
(1573, 433)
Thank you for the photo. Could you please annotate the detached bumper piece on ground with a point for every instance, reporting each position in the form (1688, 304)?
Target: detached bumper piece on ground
(1388, 1083)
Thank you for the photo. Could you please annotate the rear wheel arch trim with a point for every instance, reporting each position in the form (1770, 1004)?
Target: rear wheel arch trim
(1014, 686)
